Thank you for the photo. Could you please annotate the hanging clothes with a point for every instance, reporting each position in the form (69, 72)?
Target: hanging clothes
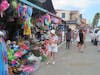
(27, 29)
(3, 59)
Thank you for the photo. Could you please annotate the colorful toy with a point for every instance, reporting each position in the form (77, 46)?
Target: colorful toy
(19, 54)
(14, 4)
(47, 20)
(24, 47)
(3, 6)
(28, 68)
(3, 57)
(29, 11)
(24, 12)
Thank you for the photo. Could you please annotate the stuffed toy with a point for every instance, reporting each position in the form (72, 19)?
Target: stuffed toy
(24, 12)
(24, 47)
(13, 62)
(19, 54)
(29, 22)
(4, 6)
(14, 4)
(10, 54)
(29, 11)
(28, 68)
(19, 10)
(47, 20)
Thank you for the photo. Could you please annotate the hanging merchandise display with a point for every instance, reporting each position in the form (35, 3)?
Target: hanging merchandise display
(29, 22)
(19, 9)
(14, 4)
(46, 19)
(29, 11)
(3, 57)
(28, 16)
(3, 6)
(27, 29)
(55, 20)
(38, 23)
(10, 53)
(25, 55)
(24, 12)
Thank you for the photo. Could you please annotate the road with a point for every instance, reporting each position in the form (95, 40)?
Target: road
(71, 62)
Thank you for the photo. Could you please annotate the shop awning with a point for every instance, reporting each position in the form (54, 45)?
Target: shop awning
(34, 5)
(39, 8)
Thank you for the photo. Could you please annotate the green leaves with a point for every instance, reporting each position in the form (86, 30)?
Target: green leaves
(96, 19)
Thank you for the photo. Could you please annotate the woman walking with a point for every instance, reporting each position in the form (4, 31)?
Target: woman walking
(81, 40)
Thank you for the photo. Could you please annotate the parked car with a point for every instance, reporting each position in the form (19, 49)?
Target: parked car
(93, 36)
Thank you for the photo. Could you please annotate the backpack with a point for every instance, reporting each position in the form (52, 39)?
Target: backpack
(68, 36)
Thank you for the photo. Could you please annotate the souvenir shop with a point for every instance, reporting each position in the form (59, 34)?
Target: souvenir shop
(27, 33)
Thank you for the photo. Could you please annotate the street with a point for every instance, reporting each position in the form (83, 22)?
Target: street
(71, 62)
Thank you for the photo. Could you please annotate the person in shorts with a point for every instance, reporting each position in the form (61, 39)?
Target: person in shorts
(52, 48)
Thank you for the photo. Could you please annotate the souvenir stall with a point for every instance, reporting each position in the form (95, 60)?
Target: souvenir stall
(22, 58)
(29, 45)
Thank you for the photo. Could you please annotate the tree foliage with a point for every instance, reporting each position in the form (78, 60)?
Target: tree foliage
(96, 19)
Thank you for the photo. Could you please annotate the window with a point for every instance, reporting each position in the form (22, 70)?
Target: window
(63, 15)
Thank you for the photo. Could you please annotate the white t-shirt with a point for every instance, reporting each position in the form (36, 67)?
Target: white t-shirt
(98, 35)
(54, 38)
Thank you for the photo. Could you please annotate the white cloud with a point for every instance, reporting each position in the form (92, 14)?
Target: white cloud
(79, 4)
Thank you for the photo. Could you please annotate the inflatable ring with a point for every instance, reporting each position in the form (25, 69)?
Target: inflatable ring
(47, 20)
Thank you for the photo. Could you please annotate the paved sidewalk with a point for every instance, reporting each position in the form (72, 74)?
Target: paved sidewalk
(71, 62)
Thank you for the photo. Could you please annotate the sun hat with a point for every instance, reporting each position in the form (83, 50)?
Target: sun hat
(52, 31)
(1, 33)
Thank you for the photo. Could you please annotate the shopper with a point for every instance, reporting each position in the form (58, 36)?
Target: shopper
(52, 48)
(81, 40)
(68, 38)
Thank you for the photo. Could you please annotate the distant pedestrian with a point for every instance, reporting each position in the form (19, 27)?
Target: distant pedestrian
(80, 39)
(68, 38)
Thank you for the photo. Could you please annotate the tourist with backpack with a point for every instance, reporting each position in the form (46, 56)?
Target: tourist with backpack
(68, 38)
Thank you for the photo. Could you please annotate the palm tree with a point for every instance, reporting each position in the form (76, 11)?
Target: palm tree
(96, 19)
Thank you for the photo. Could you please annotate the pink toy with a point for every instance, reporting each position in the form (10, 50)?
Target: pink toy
(19, 54)
(13, 62)
(28, 68)
(3, 6)
(24, 47)
(25, 10)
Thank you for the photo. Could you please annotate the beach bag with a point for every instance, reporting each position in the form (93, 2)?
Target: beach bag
(77, 38)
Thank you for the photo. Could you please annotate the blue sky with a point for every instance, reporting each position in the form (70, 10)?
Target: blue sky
(87, 7)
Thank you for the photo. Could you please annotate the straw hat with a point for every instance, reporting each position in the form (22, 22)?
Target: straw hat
(1, 33)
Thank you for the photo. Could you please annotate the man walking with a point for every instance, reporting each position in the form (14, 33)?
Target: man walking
(68, 38)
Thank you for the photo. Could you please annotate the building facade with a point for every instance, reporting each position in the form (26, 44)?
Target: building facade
(72, 17)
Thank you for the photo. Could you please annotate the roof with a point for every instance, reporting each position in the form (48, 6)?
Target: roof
(48, 5)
